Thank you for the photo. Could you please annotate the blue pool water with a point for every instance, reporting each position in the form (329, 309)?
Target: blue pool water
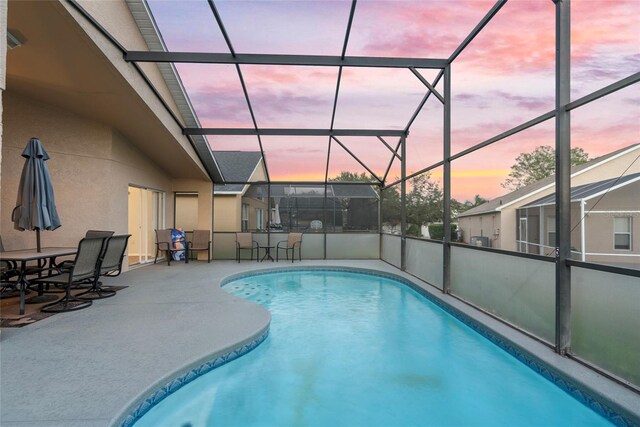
(348, 349)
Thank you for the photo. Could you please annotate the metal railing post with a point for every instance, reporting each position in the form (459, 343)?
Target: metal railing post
(403, 204)
(563, 177)
(446, 183)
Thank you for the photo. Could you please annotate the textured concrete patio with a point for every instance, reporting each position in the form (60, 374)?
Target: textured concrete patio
(85, 368)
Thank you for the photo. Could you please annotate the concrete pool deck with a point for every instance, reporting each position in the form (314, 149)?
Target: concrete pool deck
(85, 368)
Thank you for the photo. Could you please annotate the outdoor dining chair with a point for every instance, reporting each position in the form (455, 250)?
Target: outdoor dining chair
(85, 266)
(294, 240)
(110, 265)
(245, 242)
(65, 265)
(201, 241)
(8, 273)
(165, 243)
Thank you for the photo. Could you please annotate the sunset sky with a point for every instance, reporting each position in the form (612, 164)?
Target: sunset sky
(504, 78)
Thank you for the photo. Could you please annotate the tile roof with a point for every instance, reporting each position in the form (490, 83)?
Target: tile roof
(235, 166)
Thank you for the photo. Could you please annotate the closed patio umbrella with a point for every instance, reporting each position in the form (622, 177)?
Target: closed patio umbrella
(36, 206)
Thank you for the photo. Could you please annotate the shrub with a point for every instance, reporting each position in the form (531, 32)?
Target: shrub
(436, 231)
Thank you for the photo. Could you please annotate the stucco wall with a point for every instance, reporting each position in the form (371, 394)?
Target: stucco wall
(91, 166)
(203, 205)
(253, 205)
(480, 225)
(186, 211)
(226, 216)
(3, 68)
(599, 226)
(116, 18)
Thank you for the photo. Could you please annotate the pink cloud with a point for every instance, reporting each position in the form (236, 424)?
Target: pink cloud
(413, 28)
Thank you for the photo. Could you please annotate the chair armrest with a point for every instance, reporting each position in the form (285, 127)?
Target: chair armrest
(11, 265)
(163, 243)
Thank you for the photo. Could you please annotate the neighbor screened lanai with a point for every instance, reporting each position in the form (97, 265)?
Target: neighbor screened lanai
(422, 107)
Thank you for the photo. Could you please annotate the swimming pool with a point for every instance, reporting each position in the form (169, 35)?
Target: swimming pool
(362, 350)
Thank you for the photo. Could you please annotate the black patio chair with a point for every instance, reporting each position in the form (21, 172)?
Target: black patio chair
(294, 240)
(110, 265)
(85, 266)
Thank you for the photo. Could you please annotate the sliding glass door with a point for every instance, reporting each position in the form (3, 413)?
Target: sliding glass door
(146, 214)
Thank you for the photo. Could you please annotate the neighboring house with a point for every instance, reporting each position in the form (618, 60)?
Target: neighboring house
(602, 222)
(607, 188)
(240, 207)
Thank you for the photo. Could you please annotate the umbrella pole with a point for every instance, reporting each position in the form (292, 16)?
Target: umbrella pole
(40, 298)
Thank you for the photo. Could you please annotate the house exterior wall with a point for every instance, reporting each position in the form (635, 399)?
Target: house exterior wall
(203, 204)
(3, 69)
(119, 20)
(116, 18)
(253, 205)
(226, 213)
(481, 225)
(186, 211)
(91, 167)
(228, 207)
(599, 226)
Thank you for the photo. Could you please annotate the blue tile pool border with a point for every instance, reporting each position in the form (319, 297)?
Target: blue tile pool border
(596, 402)
(174, 384)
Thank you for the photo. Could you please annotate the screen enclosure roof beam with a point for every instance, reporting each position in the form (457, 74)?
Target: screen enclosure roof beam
(269, 59)
(293, 132)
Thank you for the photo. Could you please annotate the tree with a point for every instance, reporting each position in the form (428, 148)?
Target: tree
(391, 206)
(538, 164)
(424, 201)
(345, 176)
(459, 207)
(357, 213)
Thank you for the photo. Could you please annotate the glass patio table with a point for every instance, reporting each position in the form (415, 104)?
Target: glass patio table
(23, 256)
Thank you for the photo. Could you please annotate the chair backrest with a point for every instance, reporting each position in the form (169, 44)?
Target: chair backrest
(294, 238)
(245, 240)
(116, 246)
(99, 233)
(87, 257)
(164, 236)
(4, 265)
(200, 239)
